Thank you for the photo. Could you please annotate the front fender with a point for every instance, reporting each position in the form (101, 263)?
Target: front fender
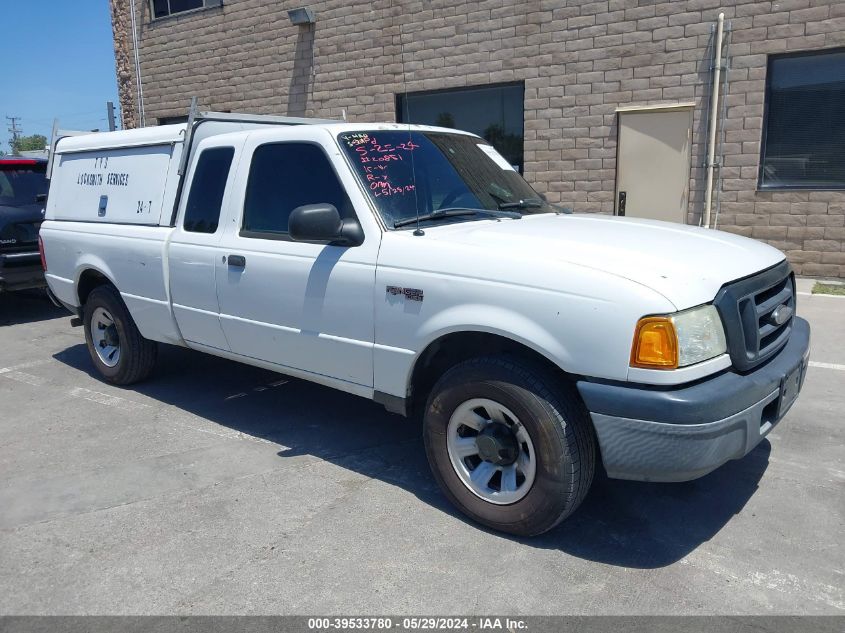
(394, 366)
(499, 320)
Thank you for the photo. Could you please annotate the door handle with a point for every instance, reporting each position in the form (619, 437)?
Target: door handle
(237, 261)
(620, 208)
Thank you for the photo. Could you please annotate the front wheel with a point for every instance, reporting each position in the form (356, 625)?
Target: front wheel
(116, 346)
(509, 445)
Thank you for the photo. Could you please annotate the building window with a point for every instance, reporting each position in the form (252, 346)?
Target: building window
(163, 8)
(804, 124)
(202, 213)
(493, 112)
(172, 120)
(282, 177)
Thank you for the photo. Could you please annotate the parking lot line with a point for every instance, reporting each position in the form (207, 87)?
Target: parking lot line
(104, 398)
(32, 363)
(816, 294)
(836, 366)
(22, 376)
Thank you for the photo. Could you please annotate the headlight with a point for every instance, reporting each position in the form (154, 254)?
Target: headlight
(700, 335)
(678, 340)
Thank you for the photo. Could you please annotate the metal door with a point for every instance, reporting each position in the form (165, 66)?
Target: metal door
(653, 163)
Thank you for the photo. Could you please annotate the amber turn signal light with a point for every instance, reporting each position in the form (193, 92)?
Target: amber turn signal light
(655, 344)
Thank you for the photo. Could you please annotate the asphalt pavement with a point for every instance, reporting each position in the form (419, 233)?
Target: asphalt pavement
(220, 488)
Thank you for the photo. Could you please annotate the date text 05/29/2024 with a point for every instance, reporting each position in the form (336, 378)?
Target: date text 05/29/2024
(417, 623)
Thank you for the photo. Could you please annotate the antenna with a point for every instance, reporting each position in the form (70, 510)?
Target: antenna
(418, 231)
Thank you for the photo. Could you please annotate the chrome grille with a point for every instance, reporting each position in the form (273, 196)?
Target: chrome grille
(748, 308)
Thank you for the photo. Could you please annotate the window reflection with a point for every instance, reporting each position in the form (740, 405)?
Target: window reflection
(493, 112)
(805, 122)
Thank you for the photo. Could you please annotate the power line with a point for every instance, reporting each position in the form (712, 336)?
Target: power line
(14, 130)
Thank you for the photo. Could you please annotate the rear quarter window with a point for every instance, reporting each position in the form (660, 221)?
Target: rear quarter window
(21, 184)
(202, 212)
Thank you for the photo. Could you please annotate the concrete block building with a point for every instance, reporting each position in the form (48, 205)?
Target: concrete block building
(604, 106)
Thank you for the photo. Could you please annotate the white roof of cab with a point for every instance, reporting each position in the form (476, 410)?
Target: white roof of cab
(154, 135)
(339, 128)
(166, 134)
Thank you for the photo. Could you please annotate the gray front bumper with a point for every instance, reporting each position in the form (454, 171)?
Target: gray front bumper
(691, 435)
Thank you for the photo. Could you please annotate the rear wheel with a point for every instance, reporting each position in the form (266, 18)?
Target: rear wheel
(116, 346)
(510, 446)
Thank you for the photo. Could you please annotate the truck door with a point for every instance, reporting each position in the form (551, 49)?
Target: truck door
(192, 251)
(307, 306)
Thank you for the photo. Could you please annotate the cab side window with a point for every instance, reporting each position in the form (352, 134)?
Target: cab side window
(202, 212)
(282, 177)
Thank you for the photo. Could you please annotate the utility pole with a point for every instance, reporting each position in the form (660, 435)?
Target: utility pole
(14, 130)
(110, 114)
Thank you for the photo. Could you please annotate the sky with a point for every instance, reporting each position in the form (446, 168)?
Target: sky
(57, 62)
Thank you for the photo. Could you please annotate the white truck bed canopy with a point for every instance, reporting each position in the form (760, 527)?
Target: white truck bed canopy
(107, 176)
(159, 135)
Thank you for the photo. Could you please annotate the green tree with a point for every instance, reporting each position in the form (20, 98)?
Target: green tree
(28, 143)
(445, 119)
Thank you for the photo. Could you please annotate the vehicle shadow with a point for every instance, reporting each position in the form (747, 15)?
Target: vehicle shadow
(27, 306)
(628, 524)
(649, 525)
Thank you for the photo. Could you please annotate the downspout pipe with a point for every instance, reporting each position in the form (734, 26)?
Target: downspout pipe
(714, 110)
(139, 87)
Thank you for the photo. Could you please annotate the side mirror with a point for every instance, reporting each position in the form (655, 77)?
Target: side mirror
(322, 223)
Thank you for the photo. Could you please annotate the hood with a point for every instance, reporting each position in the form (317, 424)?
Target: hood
(685, 264)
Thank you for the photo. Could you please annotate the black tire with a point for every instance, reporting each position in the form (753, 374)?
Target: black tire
(137, 354)
(557, 423)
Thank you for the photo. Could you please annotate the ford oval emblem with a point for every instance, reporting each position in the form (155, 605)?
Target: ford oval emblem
(781, 314)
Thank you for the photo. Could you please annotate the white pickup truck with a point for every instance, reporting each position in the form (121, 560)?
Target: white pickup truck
(412, 265)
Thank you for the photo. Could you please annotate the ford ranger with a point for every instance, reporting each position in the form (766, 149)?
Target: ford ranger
(413, 266)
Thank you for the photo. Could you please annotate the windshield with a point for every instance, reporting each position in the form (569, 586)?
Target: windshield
(430, 173)
(21, 183)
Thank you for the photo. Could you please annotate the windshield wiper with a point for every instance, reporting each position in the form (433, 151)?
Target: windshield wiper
(452, 212)
(528, 203)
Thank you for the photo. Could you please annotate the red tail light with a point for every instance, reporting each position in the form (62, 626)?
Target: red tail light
(17, 161)
(41, 252)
